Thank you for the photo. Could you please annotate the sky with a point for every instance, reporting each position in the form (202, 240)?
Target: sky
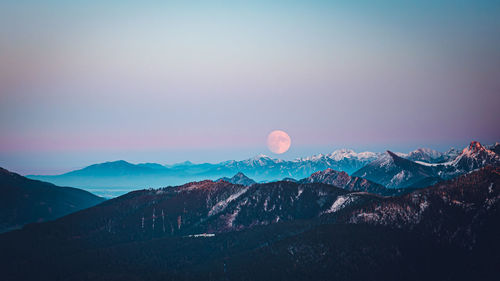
(83, 82)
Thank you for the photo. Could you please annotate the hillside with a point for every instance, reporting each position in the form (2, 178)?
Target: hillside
(24, 200)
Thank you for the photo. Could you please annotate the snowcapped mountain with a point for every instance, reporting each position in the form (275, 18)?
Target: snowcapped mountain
(260, 160)
(265, 168)
(392, 171)
(342, 154)
(451, 154)
(255, 163)
(344, 181)
(122, 175)
(472, 157)
(425, 154)
(342, 160)
(428, 155)
(422, 168)
(239, 178)
(495, 147)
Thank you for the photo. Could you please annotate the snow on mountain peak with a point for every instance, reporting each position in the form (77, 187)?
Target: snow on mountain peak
(472, 157)
(344, 153)
(311, 158)
(340, 154)
(477, 151)
(367, 155)
(261, 160)
(426, 155)
(474, 147)
(452, 153)
(260, 156)
(385, 160)
(427, 152)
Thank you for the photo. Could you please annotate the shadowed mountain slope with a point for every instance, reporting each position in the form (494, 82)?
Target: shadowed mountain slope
(24, 200)
(393, 171)
(344, 181)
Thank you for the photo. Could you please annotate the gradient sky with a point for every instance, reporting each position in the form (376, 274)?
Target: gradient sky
(167, 81)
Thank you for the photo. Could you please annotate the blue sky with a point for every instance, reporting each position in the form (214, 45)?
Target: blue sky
(167, 81)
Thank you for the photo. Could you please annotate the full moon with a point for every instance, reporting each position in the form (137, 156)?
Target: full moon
(278, 141)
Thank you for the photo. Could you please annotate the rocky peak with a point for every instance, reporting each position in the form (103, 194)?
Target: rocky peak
(239, 178)
(474, 147)
(343, 180)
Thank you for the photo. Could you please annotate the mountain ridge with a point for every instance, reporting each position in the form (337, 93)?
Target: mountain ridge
(344, 181)
(239, 178)
(393, 171)
(121, 175)
(24, 200)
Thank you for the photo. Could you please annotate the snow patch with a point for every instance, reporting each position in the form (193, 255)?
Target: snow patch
(232, 217)
(299, 192)
(266, 202)
(399, 177)
(340, 203)
(204, 235)
(220, 206)
(423, 205)
(432, 164)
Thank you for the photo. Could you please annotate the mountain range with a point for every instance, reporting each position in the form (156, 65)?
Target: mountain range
(394, 218)
(284, 230)
(393, 171)
(389, 175)
(115, 178)
(431, 156)
(418, 168)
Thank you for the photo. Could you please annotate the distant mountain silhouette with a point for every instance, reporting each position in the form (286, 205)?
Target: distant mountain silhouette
(24, 200)
(402, 171)
(239, 178)
(122, 175)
